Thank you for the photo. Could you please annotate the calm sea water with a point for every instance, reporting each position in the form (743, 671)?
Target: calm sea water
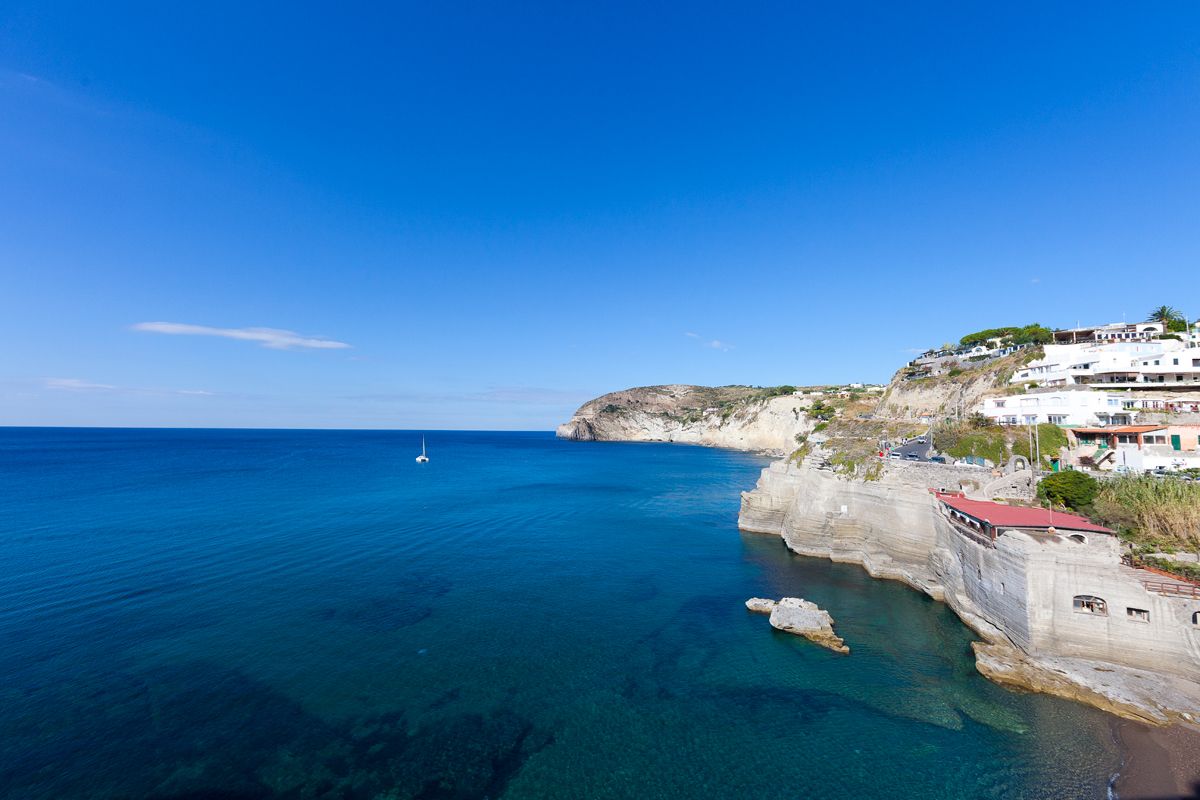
(239, 614)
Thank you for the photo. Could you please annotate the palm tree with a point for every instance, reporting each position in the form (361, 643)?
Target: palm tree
(1164, 314)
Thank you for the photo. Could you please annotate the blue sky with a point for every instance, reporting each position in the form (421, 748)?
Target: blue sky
(480, 215)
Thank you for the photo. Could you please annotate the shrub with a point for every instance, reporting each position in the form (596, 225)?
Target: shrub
(977, 420)
(1075, 490)
(821, 410)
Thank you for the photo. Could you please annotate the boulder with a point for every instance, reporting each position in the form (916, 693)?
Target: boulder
(794, 615)
(760, 605)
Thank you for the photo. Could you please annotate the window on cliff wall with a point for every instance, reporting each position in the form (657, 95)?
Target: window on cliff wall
(1196, 617)
(1078, 537)
(1138, 614)
(1088, 604)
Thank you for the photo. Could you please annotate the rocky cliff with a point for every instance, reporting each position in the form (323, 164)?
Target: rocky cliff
(953, 394)
(741, 417)
(1016, 596)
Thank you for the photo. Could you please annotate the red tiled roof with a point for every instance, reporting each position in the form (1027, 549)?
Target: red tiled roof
(1121, 429)
(1002, 516)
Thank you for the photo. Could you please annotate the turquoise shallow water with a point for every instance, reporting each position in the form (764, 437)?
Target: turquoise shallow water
(247, 614)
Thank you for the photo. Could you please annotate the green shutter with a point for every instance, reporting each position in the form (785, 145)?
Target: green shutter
(1176, 444)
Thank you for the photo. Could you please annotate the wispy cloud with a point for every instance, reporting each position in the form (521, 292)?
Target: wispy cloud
(273, 338)
(80, 385)
(77, 385)
(1035, 280)
(715, 344)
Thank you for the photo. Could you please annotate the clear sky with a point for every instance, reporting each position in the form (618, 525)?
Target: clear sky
(480, 215)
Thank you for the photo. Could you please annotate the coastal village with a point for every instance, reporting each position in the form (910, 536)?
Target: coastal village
(1063, 511)
(1127, 394)
(1043, 483)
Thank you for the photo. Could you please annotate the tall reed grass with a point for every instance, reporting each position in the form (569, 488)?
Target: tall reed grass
(1154, 511)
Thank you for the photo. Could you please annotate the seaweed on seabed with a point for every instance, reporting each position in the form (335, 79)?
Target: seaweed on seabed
(469, 756)
(405, 604)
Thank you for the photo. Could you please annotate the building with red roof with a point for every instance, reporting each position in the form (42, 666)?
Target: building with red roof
(984, 521)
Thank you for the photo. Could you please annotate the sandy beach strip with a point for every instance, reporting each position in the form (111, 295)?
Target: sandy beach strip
(1159, 763)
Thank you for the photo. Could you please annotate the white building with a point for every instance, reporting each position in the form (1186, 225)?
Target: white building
(1174, 404)
(1067, 408)
(1157, 364)
(1140, 448)
(1112, 332)
(1157, 457)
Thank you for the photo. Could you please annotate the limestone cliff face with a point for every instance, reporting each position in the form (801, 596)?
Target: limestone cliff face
(885, 525)
(1017, 595)
(741, 417)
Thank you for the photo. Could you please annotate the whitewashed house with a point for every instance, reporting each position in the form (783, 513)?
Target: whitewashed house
(1067, 408)
(1112, 332)
(1163, 363)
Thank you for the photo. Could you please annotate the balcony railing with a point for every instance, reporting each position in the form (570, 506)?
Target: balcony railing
(1176, 589)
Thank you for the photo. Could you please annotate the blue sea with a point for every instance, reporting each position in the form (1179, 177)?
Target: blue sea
(311, 614)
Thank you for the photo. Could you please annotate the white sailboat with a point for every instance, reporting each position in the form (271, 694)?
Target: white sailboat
(422, 459)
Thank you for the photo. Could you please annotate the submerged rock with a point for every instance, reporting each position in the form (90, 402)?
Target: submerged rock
(794, 615)
(760, 605)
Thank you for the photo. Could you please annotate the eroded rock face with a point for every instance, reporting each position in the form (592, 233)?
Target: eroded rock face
(905, 399)
(740, 417)
(801, 617)
(885, 525)
(1149, 697)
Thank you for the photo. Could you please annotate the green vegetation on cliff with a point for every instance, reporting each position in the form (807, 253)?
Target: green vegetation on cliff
(1049, 439)
(852, 435)
(1028, 334)
(965, 376)
(961, 442)
(980, 438)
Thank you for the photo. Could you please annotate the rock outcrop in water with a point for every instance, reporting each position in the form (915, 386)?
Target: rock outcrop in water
(760, 605)
(798, 616)
(801, 617)
(740, 417)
